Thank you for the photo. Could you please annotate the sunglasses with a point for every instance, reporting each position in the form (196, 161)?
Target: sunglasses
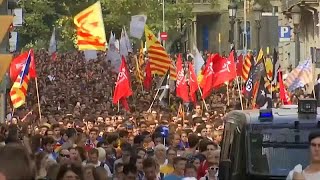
(214, 168)
(65, 155)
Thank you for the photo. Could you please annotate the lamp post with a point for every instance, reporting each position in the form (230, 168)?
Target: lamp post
(296, 17)
(232, 7)
(257, 9)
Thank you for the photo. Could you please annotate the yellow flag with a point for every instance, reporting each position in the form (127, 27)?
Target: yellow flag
(5, 60)
(269, 68)
(260, 55)
(90, 28)
(151, 39)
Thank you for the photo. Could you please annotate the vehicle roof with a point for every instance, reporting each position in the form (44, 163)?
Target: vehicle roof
(280, 116)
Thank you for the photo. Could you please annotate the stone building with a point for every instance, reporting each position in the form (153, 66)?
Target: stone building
(308, 32)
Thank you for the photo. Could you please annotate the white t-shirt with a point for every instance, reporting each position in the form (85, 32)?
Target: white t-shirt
(106, 167)
(307, 176)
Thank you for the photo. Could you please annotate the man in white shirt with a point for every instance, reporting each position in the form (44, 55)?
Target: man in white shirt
(311, 172)
(93, 159)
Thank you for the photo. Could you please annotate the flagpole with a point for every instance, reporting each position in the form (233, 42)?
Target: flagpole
(228, 98)
(154, 99)
(38, 97)
(118, 106)
(239, 91)
(271, 89)
(204, 101)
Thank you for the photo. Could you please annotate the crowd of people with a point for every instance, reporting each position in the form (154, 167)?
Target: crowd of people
(82, 135)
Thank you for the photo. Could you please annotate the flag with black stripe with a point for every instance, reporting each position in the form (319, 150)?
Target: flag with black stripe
(164, 90)
(263, 98)
(255, 74)
(276, 65)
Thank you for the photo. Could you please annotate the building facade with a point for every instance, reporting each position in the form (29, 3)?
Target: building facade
(211, 28)
(308, 31)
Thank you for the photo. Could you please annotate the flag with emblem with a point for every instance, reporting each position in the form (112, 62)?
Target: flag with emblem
(122, 89)
(256, 72)
(224, 70)
(90, 28)
(248, 63)
(181, 83)
(263, 97)
(160, 61)
(18, 63)
(19, 88)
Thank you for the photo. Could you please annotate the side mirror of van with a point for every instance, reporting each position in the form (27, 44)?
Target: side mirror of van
(224, 170)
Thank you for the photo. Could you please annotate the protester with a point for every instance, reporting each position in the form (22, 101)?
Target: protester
(81, 134)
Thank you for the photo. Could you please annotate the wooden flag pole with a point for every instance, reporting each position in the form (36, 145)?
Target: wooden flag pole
(149, 110)
(118, 106)
(38, 97)
(204, 101)
(239, 91)
(228, 98)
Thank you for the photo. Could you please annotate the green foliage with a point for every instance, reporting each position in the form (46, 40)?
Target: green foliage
(40, 16)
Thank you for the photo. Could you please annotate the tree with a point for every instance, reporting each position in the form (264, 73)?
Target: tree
(42, 15)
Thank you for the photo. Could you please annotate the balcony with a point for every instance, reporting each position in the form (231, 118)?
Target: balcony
(206, 6)
(287, 4)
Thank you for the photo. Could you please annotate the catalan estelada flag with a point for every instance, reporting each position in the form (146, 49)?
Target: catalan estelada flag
(19, 88)
(159, 60)
(90, 28)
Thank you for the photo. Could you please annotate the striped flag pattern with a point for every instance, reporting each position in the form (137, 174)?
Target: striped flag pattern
(90, 28)
(139, 73)
(248, 62)
(160, 61)
(19, 88)
(300, 76)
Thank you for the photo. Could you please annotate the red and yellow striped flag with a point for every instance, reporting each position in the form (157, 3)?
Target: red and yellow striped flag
(160, 61)
(139, 73)
(248, 62)
(19, 88)
(90, 28)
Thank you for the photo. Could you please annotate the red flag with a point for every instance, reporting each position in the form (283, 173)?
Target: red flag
(122, 89)
(193, 83)
(125, 104)
(283, 92)
(225, 70)
(182, 86)
(17, 65)
(147, 83)
(239, 65)
(206, 83)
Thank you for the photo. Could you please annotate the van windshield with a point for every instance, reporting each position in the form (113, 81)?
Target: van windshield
(276, 152)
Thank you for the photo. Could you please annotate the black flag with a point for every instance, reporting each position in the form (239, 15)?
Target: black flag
(276, 65)
(164, 90)
(263, 99)
(255, 73)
